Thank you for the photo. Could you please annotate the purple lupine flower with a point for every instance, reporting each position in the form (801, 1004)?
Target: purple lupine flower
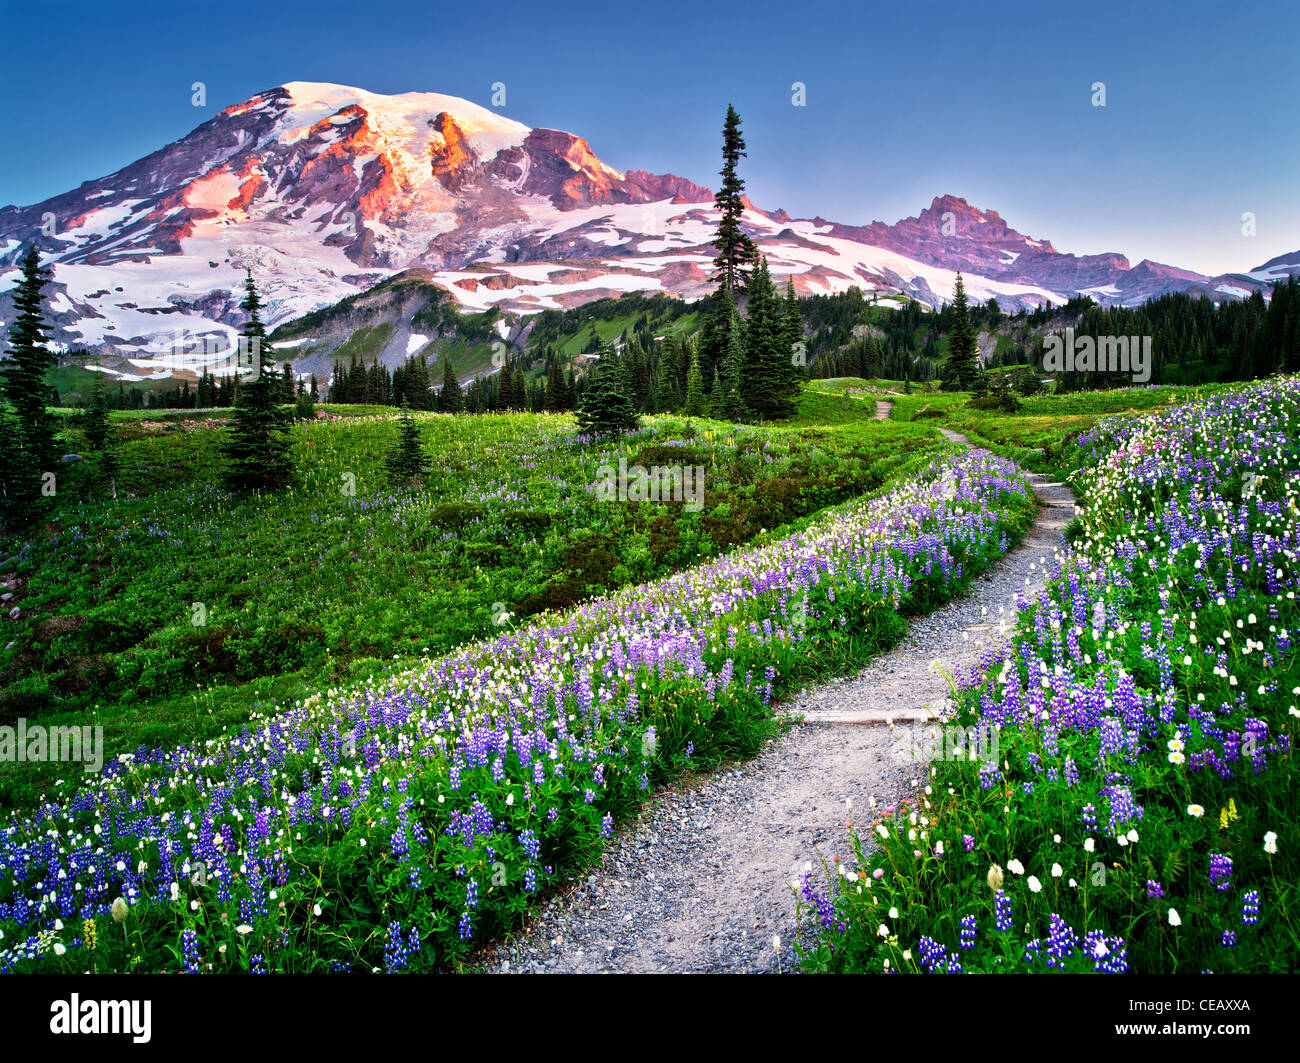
(1220, 871)
(1250, 907)
(190, 948)
(1002, 911)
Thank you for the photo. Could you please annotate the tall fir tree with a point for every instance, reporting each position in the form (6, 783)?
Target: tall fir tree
(769, 378)
(258, 449)
(450, 399)
(607, 406)
(736, 251)
(665, 397)
(793, 321)
(95, 424)
(961, 369)
(27, 437)
(719, 321)
(99, 434)
(694, 404)
(555, 397)
(730, 404)
(407, 461)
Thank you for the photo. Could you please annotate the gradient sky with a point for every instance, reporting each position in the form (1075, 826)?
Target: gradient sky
(987, 101)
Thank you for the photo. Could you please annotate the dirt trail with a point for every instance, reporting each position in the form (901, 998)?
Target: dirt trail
(703, 881)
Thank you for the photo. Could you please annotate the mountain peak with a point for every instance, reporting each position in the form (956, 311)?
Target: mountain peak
(964, 214)
(400, 107)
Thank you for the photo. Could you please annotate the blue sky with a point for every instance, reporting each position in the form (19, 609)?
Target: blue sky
(987, 101)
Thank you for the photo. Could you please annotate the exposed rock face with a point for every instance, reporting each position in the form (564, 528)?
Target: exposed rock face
(453, 162)
(953, 234)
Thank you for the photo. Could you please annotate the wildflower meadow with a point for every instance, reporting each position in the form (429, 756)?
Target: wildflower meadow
(399, 825)
(1141, 814)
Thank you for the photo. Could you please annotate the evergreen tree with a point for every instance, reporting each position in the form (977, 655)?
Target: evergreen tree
(356, 390)
(639, 366)
(719, 321)
(871, 359)
(99, 434)
(18, 504)
(694, 404)
(407, 460)
(96, 422)
(28, 434)
(258, 448)
(606, 406)
(961, 370)
(474, 397)
(450, 399)
(716, 395)
(769, 378)
(518, 389)
(507, 399)
(108, 468)
(793, 322)
(555, 397)
(665, 396)
(736, 251)
(730, 400)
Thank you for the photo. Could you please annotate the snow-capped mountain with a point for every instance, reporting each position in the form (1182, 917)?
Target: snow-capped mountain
(325, 191)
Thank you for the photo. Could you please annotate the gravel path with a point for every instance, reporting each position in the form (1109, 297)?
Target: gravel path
(702, 882)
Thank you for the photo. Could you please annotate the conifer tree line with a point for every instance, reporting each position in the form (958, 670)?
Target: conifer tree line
(422, 386)
(1193, 339)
